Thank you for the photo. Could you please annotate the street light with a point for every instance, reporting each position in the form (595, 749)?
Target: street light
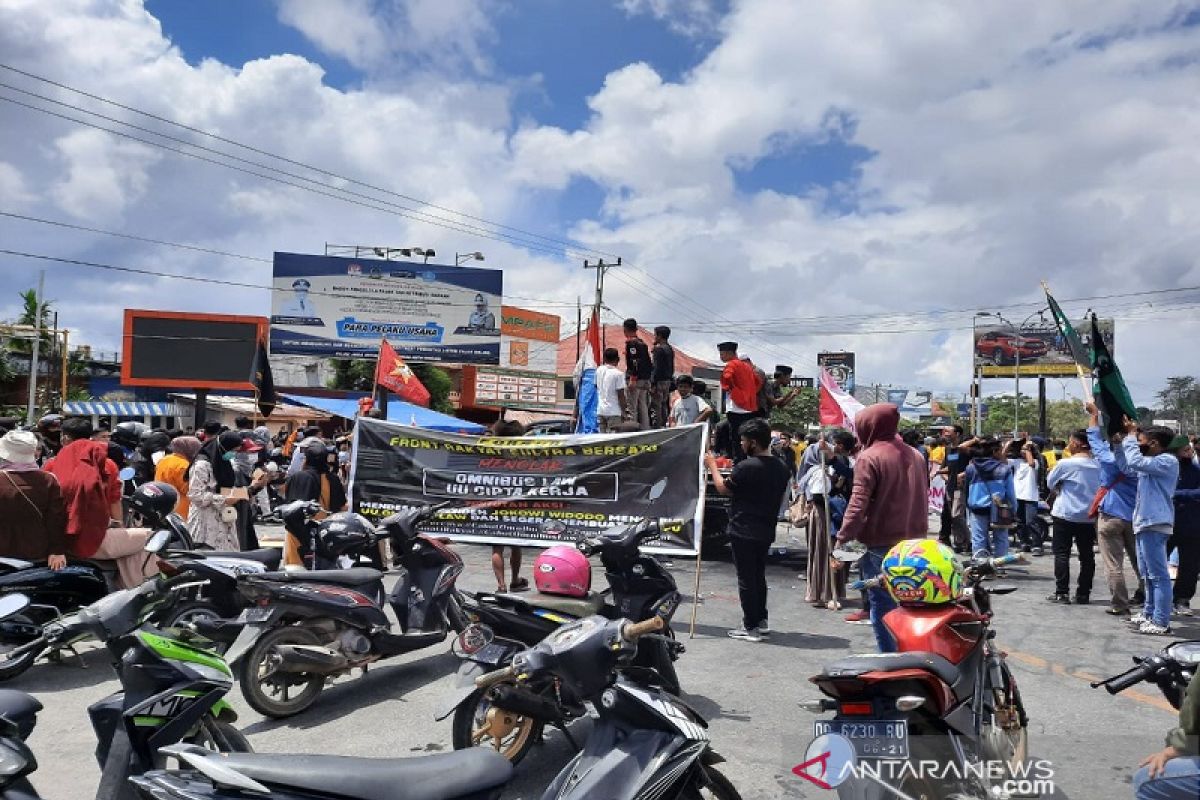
(462, 258)
(427, 254)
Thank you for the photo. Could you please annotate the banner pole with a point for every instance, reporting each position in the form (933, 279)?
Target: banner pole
(826, 484)
(695, 599)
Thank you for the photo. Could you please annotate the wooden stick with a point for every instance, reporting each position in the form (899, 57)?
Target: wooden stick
(695, 598)
(832, 604)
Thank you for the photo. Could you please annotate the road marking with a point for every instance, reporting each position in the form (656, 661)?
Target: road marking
(1038, 662)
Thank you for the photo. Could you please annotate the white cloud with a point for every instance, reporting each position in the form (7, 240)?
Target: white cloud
(101, 176)
(13, 188)
(692, 18)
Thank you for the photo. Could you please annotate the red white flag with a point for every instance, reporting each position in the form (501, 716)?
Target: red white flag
(397, 377)
(838, 407)
(589, 354)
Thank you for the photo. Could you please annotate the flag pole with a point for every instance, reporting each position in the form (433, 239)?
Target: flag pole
(1083, 381)
(695, 598)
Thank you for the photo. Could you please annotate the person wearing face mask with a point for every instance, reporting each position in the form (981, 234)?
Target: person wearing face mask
(151, 450)
(756, 487)
(211, 480)
(315, 482)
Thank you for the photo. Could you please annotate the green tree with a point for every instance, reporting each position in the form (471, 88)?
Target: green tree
(1180, 399)
(33, 315)
(797, 415)
(358, 375)
(1062, 416)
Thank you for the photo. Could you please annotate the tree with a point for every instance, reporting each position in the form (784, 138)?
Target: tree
(1062, 416)
(33, 315)
(358, 375)
(797, 415)
(1180, 399)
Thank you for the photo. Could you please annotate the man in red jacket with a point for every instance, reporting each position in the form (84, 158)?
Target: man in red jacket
(91, 491)
(889, 502)
(741, 384)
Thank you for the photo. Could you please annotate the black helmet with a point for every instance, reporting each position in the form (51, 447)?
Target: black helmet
(154, 501)
(153, 441)
(128, 434)
(344, 534)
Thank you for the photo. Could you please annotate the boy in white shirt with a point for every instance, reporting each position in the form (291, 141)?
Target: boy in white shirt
(610, 386)
(689, 407)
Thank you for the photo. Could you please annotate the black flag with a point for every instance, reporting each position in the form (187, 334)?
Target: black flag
(262, 380)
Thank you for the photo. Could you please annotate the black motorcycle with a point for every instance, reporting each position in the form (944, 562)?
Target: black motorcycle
(1171, 670)
(171, 690)
(18, 716)
(210, 601)
(646, 742)
(303, 628)
(510, 718)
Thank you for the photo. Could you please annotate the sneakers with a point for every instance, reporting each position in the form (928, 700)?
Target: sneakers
(1038, 551)
(1182, 610)
(745, 635)
(1137, 619)
(1082, 599)
(1150, 629)
(859, 618)
(1117, 611)
(1062, 599)
(763, 630)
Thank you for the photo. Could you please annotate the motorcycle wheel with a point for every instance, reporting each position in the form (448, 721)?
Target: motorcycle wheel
(12, 667)
(718, 787)
(190, 611)
(272, 694)
(478, 724)
(214, 735)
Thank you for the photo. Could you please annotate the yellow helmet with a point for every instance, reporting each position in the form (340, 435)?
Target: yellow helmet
(921, 572)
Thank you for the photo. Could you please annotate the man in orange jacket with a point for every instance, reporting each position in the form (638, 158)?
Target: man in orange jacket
(741, 384)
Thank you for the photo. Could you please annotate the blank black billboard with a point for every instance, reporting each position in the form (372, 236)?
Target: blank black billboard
(193, 352)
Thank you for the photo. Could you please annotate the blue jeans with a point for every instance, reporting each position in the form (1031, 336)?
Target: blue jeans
(881, 602)
(1179, 780)
(996, 545)
(1152, 563)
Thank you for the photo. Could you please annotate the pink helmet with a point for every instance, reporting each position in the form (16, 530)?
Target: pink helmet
(562, 570)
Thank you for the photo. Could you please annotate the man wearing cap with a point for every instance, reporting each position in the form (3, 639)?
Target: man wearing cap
(300, 306)
(779, 390)
(741, 387)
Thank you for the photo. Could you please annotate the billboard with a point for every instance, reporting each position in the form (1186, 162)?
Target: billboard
(1039, 347)
(506, 388)
(800, 383)
(341, 307)
(913, 404)
(841, 367)
(191, 351)
(529, 340)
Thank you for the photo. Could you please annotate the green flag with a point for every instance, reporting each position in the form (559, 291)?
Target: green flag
(1112, 396)
(1078, 352)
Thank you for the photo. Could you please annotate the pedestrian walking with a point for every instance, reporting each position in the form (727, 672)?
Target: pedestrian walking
(889, 503)
(1075, 479)
(1113, 509)
(662, 377)
(1026, 462)
(756, 487)
(991, 500)
(1186, 537)
(741, 385)
(1147, 454)
(639, 370)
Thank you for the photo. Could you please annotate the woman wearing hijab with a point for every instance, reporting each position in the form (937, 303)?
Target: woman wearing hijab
(174, 466)
(314, 482)
(33, 519)
(213, 518)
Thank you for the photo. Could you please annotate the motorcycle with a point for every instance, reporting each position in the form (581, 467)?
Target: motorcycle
(946, 697)
(18, 716)
(511, 719)
(303, 628)
(646, 743)
(1171, 670)
(171, 690)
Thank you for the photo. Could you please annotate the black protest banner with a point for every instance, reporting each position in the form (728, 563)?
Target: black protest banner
(533, 491)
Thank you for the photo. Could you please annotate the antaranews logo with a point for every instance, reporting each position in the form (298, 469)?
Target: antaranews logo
(832, 761)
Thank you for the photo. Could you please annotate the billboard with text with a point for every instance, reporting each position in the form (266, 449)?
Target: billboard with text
(1038, 348)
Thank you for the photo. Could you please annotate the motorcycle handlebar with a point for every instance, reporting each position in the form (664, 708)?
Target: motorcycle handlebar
(492, 678)
(1119, 683)
(632, 631)
(862, 586)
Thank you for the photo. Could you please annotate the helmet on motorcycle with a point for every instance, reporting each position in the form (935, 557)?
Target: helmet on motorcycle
(153, 501)
(129, 434)
(921, 572)
(344, 534)
(562, 570)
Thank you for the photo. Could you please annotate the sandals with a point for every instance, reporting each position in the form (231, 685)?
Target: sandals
(519, 585)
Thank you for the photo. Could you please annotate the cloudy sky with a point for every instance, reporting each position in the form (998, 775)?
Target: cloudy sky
(799, 176)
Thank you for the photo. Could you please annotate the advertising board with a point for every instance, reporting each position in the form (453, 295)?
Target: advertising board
(841, 367)
(1039, 347)
(529, 340)
(506, 388)
(342, 307)
(176, 349)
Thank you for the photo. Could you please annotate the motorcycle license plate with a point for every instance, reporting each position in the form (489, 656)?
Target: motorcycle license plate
(876, 738)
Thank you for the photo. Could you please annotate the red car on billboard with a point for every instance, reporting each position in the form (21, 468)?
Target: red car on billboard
(1002, 348)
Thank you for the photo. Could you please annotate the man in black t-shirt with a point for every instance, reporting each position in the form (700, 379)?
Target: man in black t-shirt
(639, 369)
(954, 532)
(662, 376)
(756, 485)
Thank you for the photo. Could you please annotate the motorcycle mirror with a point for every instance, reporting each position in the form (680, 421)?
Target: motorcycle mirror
(474, 638)
(11, 604)
(158, 541)
(126, 474)
(660, 486)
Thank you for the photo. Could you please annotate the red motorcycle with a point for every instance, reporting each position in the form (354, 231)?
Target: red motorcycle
(942, 717)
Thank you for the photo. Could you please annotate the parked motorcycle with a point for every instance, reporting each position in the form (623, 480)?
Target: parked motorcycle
(210, 602)
(1171, 670)
(171, 690)
(646, 743)
(947, 696)
(510, 718)
(18, 716)
(305, 627)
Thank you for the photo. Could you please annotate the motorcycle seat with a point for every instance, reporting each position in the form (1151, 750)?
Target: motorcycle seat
(358, 576)
(269, 557)
(894, 662)
(20, 709)
(437, 777)
(575, 606)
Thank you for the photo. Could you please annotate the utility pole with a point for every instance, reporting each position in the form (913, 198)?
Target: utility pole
(600, 268)
(37, 340)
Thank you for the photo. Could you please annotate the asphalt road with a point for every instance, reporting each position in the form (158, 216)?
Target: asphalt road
(748, 691)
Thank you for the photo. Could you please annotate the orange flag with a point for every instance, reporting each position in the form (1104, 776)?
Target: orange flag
(397, 377)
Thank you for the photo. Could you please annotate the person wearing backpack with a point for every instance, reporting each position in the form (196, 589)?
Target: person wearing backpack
(1075, 479)
(991, 500)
